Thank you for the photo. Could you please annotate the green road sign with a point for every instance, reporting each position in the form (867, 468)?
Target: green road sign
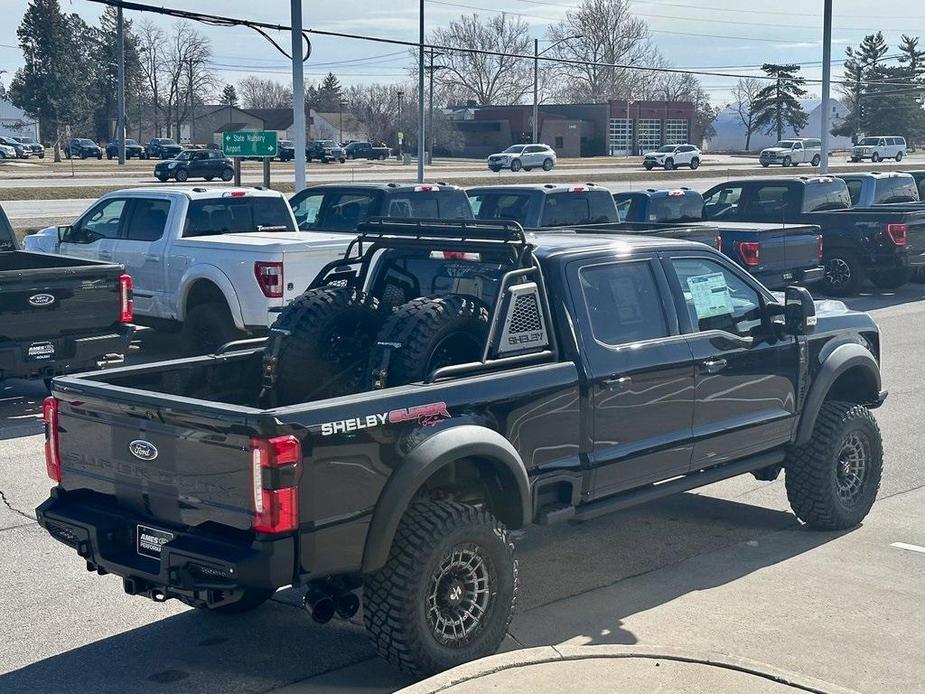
(249, 143)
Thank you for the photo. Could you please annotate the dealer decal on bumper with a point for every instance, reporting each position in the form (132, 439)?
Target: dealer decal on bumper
(425, 415)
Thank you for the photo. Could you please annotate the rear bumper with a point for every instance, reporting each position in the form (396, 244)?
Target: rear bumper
(71, 354)
(779, 280)
(198, 567)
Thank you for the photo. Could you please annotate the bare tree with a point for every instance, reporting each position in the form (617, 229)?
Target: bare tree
(488, 79)
(190, 80)
(743, 100)
(255, 92)
(152, 49)
(602, 31)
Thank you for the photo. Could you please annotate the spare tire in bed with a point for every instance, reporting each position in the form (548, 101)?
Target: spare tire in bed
(320, 345)
(425, 334)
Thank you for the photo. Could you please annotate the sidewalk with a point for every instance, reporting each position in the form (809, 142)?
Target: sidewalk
(607, 669)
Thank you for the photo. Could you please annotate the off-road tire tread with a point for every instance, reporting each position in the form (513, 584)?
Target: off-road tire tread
(808, 468)
(415, 325)
(387, 592)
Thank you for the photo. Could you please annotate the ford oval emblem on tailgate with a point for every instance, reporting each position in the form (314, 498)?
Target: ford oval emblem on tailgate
(41, 299)
(143, 450)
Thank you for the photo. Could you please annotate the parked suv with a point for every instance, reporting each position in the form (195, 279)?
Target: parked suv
(32, 145)
(526, 157)
(22, 151)
(196, 163)
(672, 156)
(325, 151)
(82, 147)
(132, 149)
(162, 148)
(792, 152)
(366, 150)
(879, 147)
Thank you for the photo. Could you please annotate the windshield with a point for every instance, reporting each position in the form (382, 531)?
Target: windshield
(166, 142)
(666, 148)
(87, 143)
(185, 155)
(131, 142)
(326, 143)
(27, 140)
(515, 149)
(868, 141)
(285, 143)
(785, 144)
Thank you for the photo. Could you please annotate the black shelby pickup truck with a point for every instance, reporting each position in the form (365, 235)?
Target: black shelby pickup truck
(58, 314)
(442, 384)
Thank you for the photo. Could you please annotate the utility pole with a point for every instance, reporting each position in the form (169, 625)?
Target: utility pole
(401, 134)
(826, 79)
(120, 121)
(192, 107)
(421, 133)
(536, 89)
(298, 95)
(430, 112)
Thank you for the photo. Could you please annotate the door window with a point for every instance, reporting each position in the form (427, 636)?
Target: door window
(306, 210)
(102, 222)
(623, 302)
(854, 190)
(724, 202)
(717, 298)
(148, 220)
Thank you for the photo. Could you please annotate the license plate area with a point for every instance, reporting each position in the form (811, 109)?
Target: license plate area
(150, 541)
(40, 351)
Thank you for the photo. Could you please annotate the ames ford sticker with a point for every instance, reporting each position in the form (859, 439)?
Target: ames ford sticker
(426, 415)
(42, 299)
(143, 450)
(150, 541)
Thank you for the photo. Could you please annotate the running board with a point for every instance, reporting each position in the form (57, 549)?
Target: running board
(690, 481)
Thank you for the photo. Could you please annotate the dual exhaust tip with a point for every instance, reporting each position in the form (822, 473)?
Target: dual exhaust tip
(323, 601)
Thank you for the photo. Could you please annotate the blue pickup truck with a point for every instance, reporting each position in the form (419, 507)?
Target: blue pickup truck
(776, 254)
(882, 188)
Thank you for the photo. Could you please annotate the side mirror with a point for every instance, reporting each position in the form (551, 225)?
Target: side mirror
(799, 311)
(63, 233)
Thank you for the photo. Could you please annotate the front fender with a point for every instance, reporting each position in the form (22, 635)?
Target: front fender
(215, 275)
(419, 464)
(840, 360)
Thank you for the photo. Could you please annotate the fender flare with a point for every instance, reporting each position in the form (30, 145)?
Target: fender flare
(842, 358)
(215, 275)
(437, 451)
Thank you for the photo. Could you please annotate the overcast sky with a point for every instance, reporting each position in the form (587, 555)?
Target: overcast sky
(716, 33)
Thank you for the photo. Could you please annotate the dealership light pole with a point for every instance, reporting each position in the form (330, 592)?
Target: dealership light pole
(120, 121)
(826, 81)
(421, 97)
(298, 95)
(536, 78)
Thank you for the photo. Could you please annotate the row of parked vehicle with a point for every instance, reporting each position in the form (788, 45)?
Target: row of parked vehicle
(20, 147)
(437, 374)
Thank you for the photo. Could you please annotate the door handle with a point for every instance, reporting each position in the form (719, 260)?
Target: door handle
(106, 255)
(712, 366)
(618, 381)
(153, 258)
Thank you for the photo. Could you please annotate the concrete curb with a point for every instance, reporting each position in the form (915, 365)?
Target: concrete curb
(549, 654)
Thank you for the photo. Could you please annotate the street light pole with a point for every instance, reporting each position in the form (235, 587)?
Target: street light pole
(421, 133)
(826, 79)
(120, 121)
(401, 134)
(536, 89)
(430, 112)
(298, 95)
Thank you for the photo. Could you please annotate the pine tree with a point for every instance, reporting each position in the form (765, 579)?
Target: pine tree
(777, 105)
(912, 58)
(230, 95)
(329, 95)
(50, 85)
(872, 50)
(104, 71)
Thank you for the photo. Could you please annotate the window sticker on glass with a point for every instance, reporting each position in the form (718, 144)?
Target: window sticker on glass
(710, 295)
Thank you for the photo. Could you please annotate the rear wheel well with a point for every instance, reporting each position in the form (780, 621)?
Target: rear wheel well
(857, 385)
(203, 292)
(479, 482)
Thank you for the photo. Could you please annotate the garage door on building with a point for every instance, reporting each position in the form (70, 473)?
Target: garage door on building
(621, 132)
(648, 135)
(676, 131)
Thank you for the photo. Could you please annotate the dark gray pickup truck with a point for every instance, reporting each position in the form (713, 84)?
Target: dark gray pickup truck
(59, 314)
(442, 384)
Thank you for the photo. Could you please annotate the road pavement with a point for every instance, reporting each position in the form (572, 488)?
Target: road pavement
(726, 569)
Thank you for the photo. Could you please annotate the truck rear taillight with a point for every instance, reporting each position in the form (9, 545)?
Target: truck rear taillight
(897, 233)
(276, 464)
(52, 452)
(270, 278)
(126, 299)
(819, 248)
(749, 252)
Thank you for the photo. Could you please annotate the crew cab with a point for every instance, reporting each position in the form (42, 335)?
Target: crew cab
(776, 254)
(325, 151)
(535, 206)
(162, 148)
(217, 264)
(82, 147)
(792, 152)
(57, 314)
(881, 188)
(343, 207)
(132, 149)
(883, 244)
(366, 150)
(438, 387)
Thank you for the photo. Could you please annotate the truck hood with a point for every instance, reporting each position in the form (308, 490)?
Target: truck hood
(273, 240)
(774, 150)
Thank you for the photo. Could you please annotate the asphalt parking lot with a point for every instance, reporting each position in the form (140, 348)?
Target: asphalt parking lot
(725, 569)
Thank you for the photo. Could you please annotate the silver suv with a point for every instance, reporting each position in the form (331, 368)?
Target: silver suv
(526, 157)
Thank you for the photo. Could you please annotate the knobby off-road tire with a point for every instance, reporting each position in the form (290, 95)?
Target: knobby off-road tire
(428, 333)
(446, 594)
(833, 480)
(322, 343)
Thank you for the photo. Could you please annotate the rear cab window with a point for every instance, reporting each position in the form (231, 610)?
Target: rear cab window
(825, 193)
(895, 189)
(502, 205)
(445, 203)
(235, 215)
(676, 206)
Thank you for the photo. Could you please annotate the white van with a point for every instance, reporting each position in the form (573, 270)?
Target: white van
(879, 147)
(792, 152)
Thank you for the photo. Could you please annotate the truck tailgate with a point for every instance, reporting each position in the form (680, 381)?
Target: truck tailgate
(39, 299)
(169, 463)
(915, 239)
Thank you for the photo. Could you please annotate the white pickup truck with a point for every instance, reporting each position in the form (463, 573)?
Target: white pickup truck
(217, 263)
